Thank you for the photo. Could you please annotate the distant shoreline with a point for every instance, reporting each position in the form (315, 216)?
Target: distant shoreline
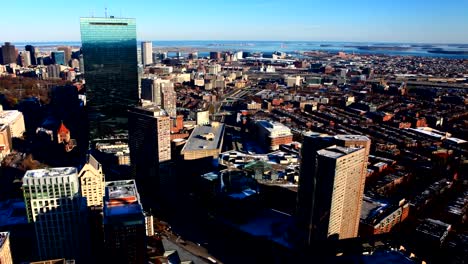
(451, 51)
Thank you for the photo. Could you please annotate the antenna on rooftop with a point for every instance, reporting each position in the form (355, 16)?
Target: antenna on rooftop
(105, 12)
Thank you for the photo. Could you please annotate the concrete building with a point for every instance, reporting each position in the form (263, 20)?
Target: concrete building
(5, 141)
(379, 217)
(5, 251)
(149, 142)
(9, 54)
(75, 64)
(15, 120)
(124, 223)
(32, 53)
(201, 117)
(214, 69)
(162, 69)
(53, 71)
(25, 57)
(146, 52)
(11, 126)
(55, 206)
(92, 183)
(273, 134)
(152, 87)
(331, 186)
(82, 68)
(292, 81)
(169, 100)
(118, 149)
(205, 141)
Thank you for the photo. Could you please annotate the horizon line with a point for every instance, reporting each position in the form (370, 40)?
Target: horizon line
(244, 40)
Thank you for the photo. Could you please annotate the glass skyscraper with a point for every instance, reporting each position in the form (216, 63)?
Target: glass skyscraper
(58, 57)
(110, 59)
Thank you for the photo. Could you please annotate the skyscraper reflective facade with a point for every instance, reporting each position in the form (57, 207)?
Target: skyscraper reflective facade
(58, 57)
(110, 60)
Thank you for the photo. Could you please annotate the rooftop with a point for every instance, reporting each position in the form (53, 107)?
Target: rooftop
(352, 137)
(434, 228)
(272, 126)
(149, 108)
(336, 151)
(122, 198)
(197, 139)
(113, 148)
(6, 117)
(51, 172)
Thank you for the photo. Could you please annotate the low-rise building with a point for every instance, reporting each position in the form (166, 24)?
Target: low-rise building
(205, 141)
(273, 134)
(378, 217)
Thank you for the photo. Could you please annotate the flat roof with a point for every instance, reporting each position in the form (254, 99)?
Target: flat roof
(352, 137)
(271, 126)
(197, 142)
(51, 172)
(372, 208)
(336, 151)
(433, 227)
(8, 116)
(122, 198)
(150, 109)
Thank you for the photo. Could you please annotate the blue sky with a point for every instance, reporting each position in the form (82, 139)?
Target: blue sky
(433, 21)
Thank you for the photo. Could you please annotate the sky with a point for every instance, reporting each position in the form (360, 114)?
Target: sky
(412, 21)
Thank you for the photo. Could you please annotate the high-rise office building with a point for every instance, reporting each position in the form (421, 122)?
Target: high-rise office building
(124, 223)
(151, 89)
(109, 48)
(9, 54)
(92, 183)
(193, 55)
(55, 206)
(58, 57)
(53, 71)
(169, 100)
(25, 58)
(331, 185)
(81, 59)
(215, 55)
(5, 251)
(67, 52)
(147, 52)
(32, 53)
(149, 142)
